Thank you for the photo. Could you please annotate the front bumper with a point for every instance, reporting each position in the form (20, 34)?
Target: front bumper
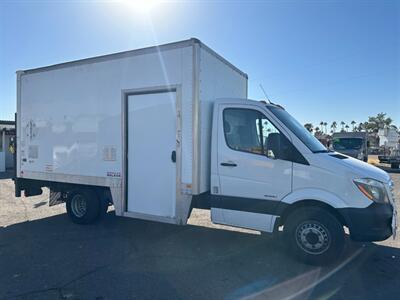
(373, 223)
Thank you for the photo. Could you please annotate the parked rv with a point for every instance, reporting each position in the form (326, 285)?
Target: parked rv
(354, 144)
(162, 130)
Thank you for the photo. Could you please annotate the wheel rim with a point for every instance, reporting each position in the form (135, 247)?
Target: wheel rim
(78, 206)
(313, 237)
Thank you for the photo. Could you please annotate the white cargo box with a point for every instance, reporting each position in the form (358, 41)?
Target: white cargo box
(121, 120)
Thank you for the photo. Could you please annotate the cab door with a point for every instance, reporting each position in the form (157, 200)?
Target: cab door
(251, 177)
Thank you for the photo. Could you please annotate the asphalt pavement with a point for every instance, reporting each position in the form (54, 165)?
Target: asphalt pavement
(45, 256)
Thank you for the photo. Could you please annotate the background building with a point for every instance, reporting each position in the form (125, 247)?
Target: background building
(7, 131)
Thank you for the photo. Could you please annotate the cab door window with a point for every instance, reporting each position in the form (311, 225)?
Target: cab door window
(250, 131)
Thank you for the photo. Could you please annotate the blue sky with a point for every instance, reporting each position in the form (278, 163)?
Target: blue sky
(321, 60)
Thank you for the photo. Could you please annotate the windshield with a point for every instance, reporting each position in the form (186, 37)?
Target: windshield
(302, 133)
(347, 144)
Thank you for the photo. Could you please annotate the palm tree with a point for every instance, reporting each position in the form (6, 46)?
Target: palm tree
(380, 121)
(353, 123)
(334, 126)
(347, 127)
(342, 124)
(326, 124)
(317, 132)
(309, 127)
(322, 125)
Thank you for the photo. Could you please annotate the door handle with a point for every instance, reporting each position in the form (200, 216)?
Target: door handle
(173, 156)
(225, 164)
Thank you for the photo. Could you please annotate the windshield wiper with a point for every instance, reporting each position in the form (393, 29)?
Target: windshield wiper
(322, 151)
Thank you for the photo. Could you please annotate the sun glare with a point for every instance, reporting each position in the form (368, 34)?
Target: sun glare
(141, 6)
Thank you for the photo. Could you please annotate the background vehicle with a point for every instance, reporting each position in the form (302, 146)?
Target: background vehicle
(354, 144)
(144, 130)
(393, 158)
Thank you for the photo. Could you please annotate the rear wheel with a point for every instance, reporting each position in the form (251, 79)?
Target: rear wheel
(83, 206)
(314, 235)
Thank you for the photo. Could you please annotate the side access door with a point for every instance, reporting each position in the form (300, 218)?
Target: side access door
(251, 177)
(151, 155)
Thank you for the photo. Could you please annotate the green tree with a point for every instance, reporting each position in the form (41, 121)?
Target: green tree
(365, 125)
(377, 122)
(347, 127)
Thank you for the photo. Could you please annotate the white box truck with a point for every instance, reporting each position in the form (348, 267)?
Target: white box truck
(161, 130)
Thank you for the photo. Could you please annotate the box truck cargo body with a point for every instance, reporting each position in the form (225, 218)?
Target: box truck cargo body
(161, 130)
(138, 122)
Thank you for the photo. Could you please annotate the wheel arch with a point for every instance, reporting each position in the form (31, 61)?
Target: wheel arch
(310, 203)
(102, 192)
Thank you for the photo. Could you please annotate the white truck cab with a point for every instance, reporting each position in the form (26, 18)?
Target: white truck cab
(148, 131)
(267, 170)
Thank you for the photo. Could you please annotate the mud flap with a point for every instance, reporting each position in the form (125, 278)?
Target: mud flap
(55, 198)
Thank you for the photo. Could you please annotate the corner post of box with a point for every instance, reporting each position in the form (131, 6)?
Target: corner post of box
(17, 158)
(123, 198)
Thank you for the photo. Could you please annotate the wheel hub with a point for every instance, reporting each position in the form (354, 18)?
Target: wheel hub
(78, 206)
(312, 237)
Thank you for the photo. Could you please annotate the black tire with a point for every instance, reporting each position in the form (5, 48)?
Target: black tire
(365, 159)
(314, 236)
(83, 206)
(394, 166)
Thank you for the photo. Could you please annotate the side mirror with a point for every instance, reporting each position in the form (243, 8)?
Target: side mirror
(273, 146)
(283, 149)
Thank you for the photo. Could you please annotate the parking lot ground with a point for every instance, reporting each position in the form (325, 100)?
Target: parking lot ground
(45, 256)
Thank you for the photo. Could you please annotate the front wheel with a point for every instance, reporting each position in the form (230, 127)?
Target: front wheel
(83, 206)
(314, 235)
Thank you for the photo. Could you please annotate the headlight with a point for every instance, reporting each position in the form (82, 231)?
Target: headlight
(372, 189)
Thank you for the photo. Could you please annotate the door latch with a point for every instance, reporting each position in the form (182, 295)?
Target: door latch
(226, 164)
(173, 156)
